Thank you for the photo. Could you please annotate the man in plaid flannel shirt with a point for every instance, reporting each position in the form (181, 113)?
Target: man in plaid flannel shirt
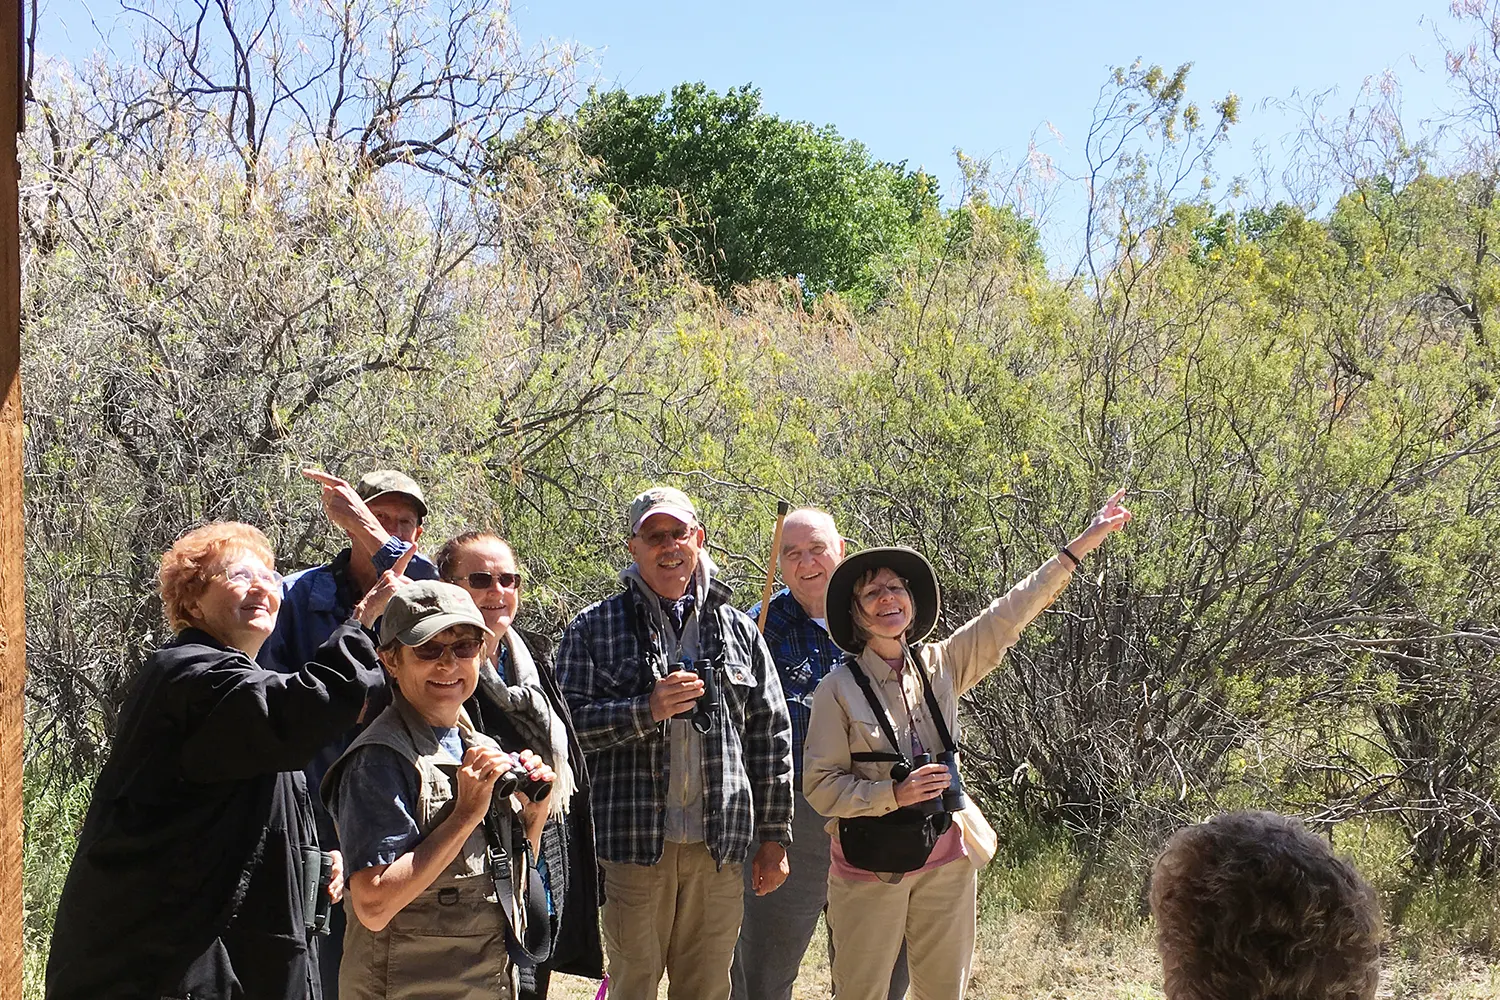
(777, 929)
(686, 776)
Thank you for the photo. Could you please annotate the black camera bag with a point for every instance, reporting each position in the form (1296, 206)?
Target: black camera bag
(902, 840)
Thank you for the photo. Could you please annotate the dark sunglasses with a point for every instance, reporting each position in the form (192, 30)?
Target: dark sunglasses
(483, 581)
(462, 649)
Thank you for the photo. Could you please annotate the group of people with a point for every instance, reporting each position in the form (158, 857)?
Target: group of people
(365, 781)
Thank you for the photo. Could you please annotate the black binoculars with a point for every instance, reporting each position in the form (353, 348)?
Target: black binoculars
(705, 709)
(317, 872)
(953, 798)
(517, 781)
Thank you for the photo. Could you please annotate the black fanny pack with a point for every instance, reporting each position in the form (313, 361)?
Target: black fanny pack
(899, 841)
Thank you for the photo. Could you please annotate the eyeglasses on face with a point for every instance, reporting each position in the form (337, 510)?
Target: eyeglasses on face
(484, 581)
(870, 595)
(248, 576)
(462, 649)
(677, 533)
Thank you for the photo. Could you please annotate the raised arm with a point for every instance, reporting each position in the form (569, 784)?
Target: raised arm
(249, 720)
(367, 536)
(978, 646)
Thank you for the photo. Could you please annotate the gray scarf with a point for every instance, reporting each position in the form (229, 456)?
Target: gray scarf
(541, 729)
(705, 571)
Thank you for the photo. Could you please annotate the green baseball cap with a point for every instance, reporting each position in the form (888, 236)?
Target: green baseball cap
(418, 611)
(661, 500)
(384, 482)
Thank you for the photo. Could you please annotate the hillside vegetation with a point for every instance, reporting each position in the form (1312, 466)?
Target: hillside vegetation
(387, 234)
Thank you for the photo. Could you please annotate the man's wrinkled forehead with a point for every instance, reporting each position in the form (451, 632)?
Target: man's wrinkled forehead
(808, 524)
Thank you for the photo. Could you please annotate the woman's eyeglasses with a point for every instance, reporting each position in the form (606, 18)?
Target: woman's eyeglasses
(462, 649)
(483, 581)
(249, 576)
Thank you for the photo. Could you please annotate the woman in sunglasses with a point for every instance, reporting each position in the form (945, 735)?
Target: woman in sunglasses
(188, 877)
(425, 805)
(519, 703)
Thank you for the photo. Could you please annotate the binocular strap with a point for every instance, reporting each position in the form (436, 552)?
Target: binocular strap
(884, 718)
(529, 932)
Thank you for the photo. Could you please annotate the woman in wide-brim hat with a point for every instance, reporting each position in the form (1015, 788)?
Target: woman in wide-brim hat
(880, 603)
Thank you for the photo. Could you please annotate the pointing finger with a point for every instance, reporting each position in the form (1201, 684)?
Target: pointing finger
(319, 476)
(406, 557)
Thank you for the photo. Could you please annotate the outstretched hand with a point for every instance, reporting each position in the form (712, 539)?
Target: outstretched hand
(1110, 518)
(372, 605)
(343, 505)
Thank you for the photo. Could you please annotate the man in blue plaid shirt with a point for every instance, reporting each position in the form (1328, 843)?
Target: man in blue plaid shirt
(679, 711)
(777, 929)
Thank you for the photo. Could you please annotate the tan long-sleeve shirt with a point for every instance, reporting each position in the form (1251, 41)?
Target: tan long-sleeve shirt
(843, 722)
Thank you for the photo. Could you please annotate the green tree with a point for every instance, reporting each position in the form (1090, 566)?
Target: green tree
(754, 195)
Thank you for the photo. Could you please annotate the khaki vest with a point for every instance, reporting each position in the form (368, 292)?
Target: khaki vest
(449, 942)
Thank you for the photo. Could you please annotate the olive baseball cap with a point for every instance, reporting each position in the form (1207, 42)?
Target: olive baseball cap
(384, 482)
(661, 500)
(418, 611)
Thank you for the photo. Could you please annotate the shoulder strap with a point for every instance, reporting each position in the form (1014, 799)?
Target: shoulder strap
(881, 716)
(932, 706)
(529, 935)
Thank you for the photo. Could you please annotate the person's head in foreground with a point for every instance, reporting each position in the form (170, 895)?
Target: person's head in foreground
(1251, 906)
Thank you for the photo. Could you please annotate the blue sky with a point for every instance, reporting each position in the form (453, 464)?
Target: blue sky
(915, 81)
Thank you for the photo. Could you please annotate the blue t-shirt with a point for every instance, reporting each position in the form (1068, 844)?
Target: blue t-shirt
(376, 804)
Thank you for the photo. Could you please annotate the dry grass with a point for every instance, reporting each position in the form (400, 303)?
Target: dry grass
(1021, 957)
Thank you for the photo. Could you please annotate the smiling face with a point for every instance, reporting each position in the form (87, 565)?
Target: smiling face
(882, 606)
(810, 549)
(437, 688)
(498, 604)
(239, 602)
(666, 552)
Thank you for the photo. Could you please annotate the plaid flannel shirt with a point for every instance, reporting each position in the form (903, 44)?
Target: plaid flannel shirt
(608, 662)
(804, 654)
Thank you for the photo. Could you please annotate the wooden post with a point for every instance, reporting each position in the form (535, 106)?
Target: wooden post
(765, 595)
(12, 535)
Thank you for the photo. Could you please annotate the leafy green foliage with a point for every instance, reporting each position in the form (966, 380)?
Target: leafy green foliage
(753, 195)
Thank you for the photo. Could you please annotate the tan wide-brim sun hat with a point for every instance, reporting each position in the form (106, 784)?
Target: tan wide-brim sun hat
(910, 565)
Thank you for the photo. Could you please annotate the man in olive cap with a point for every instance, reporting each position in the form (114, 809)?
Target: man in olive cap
(382, 516)
(681, 717)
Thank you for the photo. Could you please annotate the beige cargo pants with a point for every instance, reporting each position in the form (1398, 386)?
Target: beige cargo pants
(935, 911)
(680, 915)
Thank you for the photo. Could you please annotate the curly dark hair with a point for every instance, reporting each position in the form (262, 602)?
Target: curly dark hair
(1251, 906)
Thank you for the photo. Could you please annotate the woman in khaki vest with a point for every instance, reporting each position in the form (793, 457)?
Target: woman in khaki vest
(414, 799)
(879, 602)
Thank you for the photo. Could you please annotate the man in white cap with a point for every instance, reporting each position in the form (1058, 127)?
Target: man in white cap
(680, 714)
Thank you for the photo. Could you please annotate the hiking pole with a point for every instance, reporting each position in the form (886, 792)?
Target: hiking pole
(765, 595)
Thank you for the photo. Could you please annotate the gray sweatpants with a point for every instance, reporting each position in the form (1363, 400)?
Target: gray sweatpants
(778, 927)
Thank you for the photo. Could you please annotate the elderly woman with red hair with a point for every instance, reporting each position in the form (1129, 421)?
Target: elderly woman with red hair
(191, 871)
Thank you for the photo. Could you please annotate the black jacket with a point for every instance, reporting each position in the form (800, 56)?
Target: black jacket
(208, 754)
(576, 949)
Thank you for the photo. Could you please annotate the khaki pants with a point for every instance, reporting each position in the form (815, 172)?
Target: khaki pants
(934, 910)
(680, 915)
